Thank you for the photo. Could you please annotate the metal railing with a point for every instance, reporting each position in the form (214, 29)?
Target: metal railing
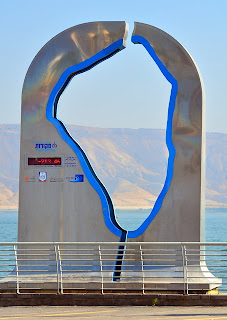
(139, 267)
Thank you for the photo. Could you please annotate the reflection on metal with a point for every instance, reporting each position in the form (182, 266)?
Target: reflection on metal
(88, 267)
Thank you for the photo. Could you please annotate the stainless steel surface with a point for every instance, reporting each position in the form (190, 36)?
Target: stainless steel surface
(57, 210)
(181, 216)
(89, 267)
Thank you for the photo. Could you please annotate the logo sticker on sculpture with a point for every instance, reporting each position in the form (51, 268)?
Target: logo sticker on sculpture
(45, 145)
(56, 179)
(77, 178)
(29, 179)
(42, 176)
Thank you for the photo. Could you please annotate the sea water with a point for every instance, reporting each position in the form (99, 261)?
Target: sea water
(8, 226)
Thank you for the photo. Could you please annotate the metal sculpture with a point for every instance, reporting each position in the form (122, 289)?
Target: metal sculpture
(61, 198)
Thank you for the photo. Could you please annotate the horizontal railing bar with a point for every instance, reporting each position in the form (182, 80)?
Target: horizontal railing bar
(37, 265)
(178, 258)
(150, 271)
(214, 265)
(209, 272)
(49, 271)
(83, 249)
(82, 271)
(105, 249)
(80, 260)
(109, 271)
(28, 251)
(82, 265)
(33, 288)
(8, 265)
(207, 255)
(160, 254)
(27, 248)
(79, 254)
(146, 278)
(195, 269)
(115, 243)
(78, 265)
(36, 260)
(220, 260)
(210, 250)
(36, 254)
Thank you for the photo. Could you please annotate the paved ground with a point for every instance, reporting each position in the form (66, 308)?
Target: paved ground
(115, 313)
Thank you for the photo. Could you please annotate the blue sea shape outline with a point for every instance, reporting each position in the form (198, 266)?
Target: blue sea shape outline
(108, 212)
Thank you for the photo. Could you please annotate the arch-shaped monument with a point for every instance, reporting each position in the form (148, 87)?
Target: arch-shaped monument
(61, 198)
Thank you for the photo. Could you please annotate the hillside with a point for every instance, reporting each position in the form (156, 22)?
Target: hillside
(130, 162)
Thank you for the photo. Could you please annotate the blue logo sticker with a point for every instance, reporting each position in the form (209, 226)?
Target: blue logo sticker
(42, 176)
(78, 178)
(45, 145)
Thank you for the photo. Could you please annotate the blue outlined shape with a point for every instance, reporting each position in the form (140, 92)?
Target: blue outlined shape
(136, 39)
(108, 211)
(107, 206)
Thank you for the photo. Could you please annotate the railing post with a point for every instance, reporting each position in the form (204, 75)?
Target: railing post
(17, 269)
(142, 267)
(57, 268)
(185, 271)
(186, 268)
(60, 267)
(101, 269)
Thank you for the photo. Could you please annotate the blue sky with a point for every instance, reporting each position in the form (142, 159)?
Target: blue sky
(128, 89)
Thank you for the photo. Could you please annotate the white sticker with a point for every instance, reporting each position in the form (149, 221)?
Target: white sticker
(43, 176)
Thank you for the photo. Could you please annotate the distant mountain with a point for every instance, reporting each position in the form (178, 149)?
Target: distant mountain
(9, 165)
(131, 163)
